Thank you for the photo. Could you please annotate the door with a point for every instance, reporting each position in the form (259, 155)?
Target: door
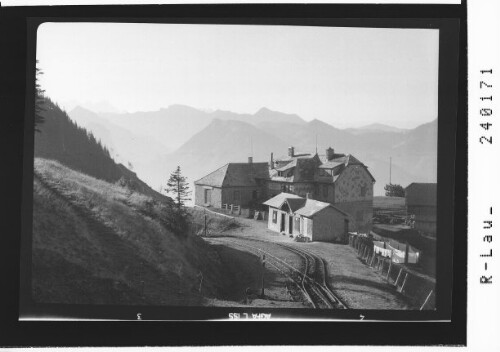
(290, 224)
(346, 226)
(282, 224)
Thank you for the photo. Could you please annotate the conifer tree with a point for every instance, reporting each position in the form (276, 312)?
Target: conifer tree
(39, 99)
(178, 186)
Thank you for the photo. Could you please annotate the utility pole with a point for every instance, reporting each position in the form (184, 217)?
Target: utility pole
(390, 170)
(263, 269)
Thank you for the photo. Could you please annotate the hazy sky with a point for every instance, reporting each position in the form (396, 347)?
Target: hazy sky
(343, 76)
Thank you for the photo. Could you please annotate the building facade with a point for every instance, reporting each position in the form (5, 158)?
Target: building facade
(234, 183)
(337, 179)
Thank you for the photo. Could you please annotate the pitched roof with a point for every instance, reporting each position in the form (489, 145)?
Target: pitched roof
(278, 200)
(312, 207)
(299, 205)
(295, 203)
(236, 175)
(331, 164)
(288, 166)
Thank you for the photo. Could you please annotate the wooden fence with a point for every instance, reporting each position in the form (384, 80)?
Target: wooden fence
(417, 288)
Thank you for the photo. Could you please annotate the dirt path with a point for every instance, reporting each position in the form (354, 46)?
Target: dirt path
(357, 285)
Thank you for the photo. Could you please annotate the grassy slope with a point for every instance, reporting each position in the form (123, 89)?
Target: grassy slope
(93, 244)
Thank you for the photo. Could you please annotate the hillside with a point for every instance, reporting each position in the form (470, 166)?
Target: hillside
(99, 243)
(62, 140)
(125, 146)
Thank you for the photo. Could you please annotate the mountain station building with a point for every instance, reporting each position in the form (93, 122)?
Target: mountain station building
(336, 179)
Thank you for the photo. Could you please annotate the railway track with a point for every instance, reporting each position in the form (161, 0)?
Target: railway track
(317, 274)
(311, 280)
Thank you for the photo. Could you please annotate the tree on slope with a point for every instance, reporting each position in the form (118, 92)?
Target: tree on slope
(178, 186)
(39, 100)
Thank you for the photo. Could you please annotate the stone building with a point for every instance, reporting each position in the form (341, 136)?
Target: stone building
(337, 179)
(421, 203)
(233, 183)
(319, 221)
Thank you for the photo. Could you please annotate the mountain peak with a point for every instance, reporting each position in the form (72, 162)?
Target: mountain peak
(180, 108)
(80, 108)
(263, 110)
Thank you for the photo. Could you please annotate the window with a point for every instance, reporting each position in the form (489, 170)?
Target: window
(275, 216)
(286, 188)
(208, 196)
(236, 195)
(363, 191)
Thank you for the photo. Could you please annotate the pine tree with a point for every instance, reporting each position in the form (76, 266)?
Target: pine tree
(39, 100)
(178, 186)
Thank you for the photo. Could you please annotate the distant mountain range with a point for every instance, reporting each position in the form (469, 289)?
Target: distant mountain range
(200, 142)
(375, 127)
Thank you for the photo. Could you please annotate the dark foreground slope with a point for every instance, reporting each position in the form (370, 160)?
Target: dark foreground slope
(99, 243)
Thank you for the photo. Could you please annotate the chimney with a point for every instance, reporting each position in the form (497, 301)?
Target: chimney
(271, 163)
(330, 153)
(291, 151)
(250, 160)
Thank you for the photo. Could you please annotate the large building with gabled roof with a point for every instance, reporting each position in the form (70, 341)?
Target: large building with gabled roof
(338, 179)
(233, 183)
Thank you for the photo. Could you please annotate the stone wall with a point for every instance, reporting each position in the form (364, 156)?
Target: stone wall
(361, 213)
(349, 185)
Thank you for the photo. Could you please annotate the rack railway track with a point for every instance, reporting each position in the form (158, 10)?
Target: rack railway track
(311, 280)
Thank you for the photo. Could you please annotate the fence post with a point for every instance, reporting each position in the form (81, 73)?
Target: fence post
(231, 209)
(426, 300)
(404, 282)
(397, 279)
(373, 258)
(388, 271)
